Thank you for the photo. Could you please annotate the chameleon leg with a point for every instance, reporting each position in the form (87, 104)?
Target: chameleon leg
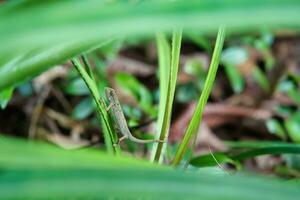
(109, 106)
(161, 141)
(102, 102)
(121, 139)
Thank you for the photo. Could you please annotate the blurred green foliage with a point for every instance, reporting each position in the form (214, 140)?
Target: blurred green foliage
(36, 35)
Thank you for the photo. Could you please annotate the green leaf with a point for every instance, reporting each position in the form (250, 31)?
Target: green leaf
(134, 114)
(111, 49)
(289, 86)
(231, 58)
(261, 78)
(294, 95)
(274, 150)
(186, 93)
(235, 78)
(293, 129)
(36, 35)
(76, 87)
(256, 144)
(168, 69)
(211, 160)
(250, 149)
(275, 127)
(234, 56)
(84, 109)
(164, 54)
(41, 171)
(5, 96)
(29, 64)
(194, 68)
(286, 86)
(201, 41)
(197, 116)
(292, 161)
(107, 127)
(138, 90)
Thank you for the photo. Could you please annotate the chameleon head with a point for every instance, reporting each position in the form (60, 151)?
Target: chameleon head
(109, 91)
(110, 94)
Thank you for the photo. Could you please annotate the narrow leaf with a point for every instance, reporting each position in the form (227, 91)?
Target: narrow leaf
(197, 116)
(171, 85)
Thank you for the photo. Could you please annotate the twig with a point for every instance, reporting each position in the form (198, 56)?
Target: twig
(37, 111)
(215, 159)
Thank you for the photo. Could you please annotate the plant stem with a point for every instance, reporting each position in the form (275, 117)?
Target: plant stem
(88, 66)
(109, 135)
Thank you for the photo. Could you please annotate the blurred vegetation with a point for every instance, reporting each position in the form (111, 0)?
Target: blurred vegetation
(217, 81)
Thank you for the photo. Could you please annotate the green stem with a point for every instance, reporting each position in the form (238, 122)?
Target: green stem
(109, 136)
(88, 66)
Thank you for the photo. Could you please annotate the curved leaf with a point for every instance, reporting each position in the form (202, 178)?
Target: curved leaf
(36, 35)
(283, 149)
(38, 171)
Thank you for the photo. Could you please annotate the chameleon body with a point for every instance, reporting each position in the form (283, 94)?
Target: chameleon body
(119, 119)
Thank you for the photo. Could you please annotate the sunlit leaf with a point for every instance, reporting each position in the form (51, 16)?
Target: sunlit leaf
(293, 129)
(275, 127)
(138, 90)
(83, 109)
(234, 56)
(76, 87)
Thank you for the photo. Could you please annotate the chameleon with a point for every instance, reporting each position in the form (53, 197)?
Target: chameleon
(119, 119)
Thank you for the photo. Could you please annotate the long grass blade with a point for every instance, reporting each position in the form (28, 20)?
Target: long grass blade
(109, 134)
(249, 149)
(197, 116)
(267, 150)
(164, 66)
(169, 88)
(246, 150)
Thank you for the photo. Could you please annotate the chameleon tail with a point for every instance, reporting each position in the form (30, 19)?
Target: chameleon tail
(143, 141)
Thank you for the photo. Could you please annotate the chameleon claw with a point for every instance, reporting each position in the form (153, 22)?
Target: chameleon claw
(109, 107)
(119, 141)
(116, 144)
(160, 141)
